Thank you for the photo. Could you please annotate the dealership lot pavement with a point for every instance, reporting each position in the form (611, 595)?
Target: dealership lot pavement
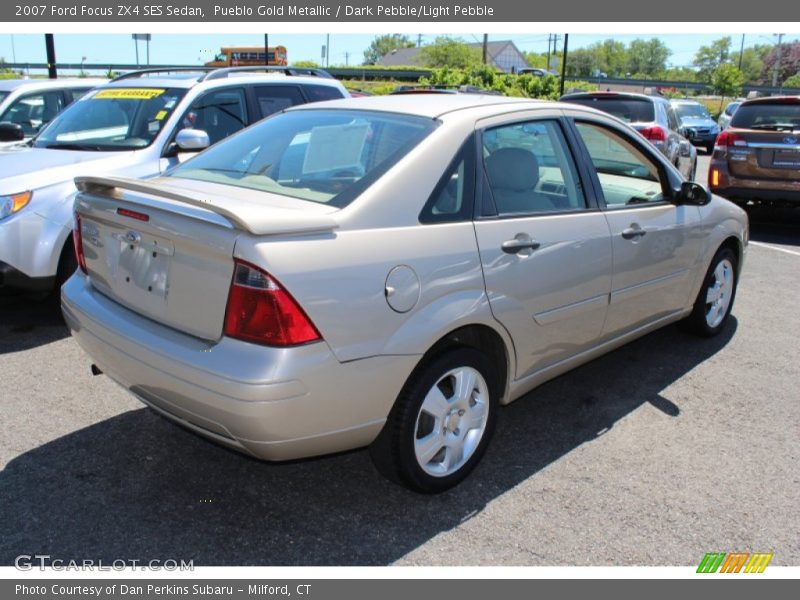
(655, 454)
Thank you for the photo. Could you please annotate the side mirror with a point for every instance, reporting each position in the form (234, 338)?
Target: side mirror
(11, 132)
(192, 140)
(693, 194)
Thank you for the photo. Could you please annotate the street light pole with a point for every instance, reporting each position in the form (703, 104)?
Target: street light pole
(50, 46)
(564, 63)
(777, 70)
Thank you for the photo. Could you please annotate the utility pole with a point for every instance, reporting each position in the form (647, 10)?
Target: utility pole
(741, 53)
(136, 45)
(50, 45)
(346, 59)
(549, 39)
(266, 49)
(777, 68)
(328, 50)
(419, 41)
(148, 50)
(564, 63)
(485, 47)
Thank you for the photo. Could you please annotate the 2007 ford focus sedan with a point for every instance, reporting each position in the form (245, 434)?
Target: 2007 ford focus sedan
(386, 272)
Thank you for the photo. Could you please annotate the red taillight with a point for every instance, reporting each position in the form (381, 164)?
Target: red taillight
(655, 134)
(728, 138)
(77, 239)
(261, 311)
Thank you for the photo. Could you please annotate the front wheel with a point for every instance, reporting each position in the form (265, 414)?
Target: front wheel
(441, 423)
(715, 299)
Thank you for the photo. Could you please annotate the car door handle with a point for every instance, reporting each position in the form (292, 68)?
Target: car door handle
(518, 244)
(632, 233)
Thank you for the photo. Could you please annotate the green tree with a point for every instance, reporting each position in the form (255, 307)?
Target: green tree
(792, 82)
(450, 52)
(612, 57)
(709, 58)
(384, 44)
(753, 62)
(727, 80)
(648, 57)
(581, 62)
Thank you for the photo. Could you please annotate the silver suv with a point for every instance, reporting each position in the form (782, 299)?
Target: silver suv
(27, 105)
(139, 125)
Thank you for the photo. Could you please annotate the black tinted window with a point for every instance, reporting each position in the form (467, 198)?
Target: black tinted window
(272, 99)
(767, 115)
(630, 110)
(318, 93)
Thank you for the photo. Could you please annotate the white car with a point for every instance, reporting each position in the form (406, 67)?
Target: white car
(139, 125)
(27, 105)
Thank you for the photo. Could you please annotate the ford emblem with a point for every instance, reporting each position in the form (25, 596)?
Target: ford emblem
(132, 237)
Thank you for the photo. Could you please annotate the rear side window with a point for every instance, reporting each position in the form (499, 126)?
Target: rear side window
(529, 169)
(219, 113)
(731, 108)
(453, 198)
(318, 93)
(783, 116)
(630, 110)
(275, 98)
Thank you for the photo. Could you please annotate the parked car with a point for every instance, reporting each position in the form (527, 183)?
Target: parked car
(387, 271)
(536, 71)
(696, 122)
(727, 114)
(26, 105)
(757, 158)
(139, 125)
(652, 116)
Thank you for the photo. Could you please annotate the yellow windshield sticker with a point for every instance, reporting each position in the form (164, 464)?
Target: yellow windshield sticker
(160, 115)
(128, 94)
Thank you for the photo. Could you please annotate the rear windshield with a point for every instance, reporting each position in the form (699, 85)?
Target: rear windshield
(327, 156)
(630, 110)
(692, 111)
(766, 115)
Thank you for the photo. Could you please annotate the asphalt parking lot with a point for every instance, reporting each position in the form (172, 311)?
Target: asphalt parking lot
(664, 450)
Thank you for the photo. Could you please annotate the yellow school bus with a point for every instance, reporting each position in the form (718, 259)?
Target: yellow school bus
(245, 56)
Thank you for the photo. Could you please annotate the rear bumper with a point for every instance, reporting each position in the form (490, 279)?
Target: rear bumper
(273, 403)
(740, 189)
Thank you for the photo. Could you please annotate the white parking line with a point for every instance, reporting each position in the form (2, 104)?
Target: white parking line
(778, 248)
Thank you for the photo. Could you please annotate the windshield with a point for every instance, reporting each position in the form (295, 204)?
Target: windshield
(778, 116)
(111, 119)
(327, 156)
(692, 111)
(630, 110)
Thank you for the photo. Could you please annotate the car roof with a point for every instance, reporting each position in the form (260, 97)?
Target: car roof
(423, 105)
(10, 85)
(192, 79)
(623, 95)
(773, 100)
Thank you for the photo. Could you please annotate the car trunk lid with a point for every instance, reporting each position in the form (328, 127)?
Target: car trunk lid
(166, 251)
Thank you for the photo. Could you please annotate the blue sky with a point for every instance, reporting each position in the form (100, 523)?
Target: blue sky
(194, 49)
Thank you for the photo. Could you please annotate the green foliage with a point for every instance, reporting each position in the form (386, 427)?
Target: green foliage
(709, 58)
(450, 52)
(308, 64)
(792, 82)
(648, 57)
(753, 62)
(727, 80)
(384, 44)
(485, 77)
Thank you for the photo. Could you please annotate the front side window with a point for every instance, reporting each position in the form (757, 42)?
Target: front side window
(627, 176)
(112, 118)
(326, 156)
(529, 169)
(33, 111)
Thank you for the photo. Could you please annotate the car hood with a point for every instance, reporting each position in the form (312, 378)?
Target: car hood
(26, 168)
(698, 122)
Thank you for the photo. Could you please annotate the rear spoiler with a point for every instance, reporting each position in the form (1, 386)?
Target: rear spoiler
(250, 219)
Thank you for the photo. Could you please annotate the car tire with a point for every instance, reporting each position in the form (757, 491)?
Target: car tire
(715, 298)
(67, 264)
(441, 423)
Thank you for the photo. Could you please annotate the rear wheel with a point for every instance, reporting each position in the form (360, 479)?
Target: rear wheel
(715, 299)
(441, 423)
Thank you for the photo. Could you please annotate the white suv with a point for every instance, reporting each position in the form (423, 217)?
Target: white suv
(138, 125)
